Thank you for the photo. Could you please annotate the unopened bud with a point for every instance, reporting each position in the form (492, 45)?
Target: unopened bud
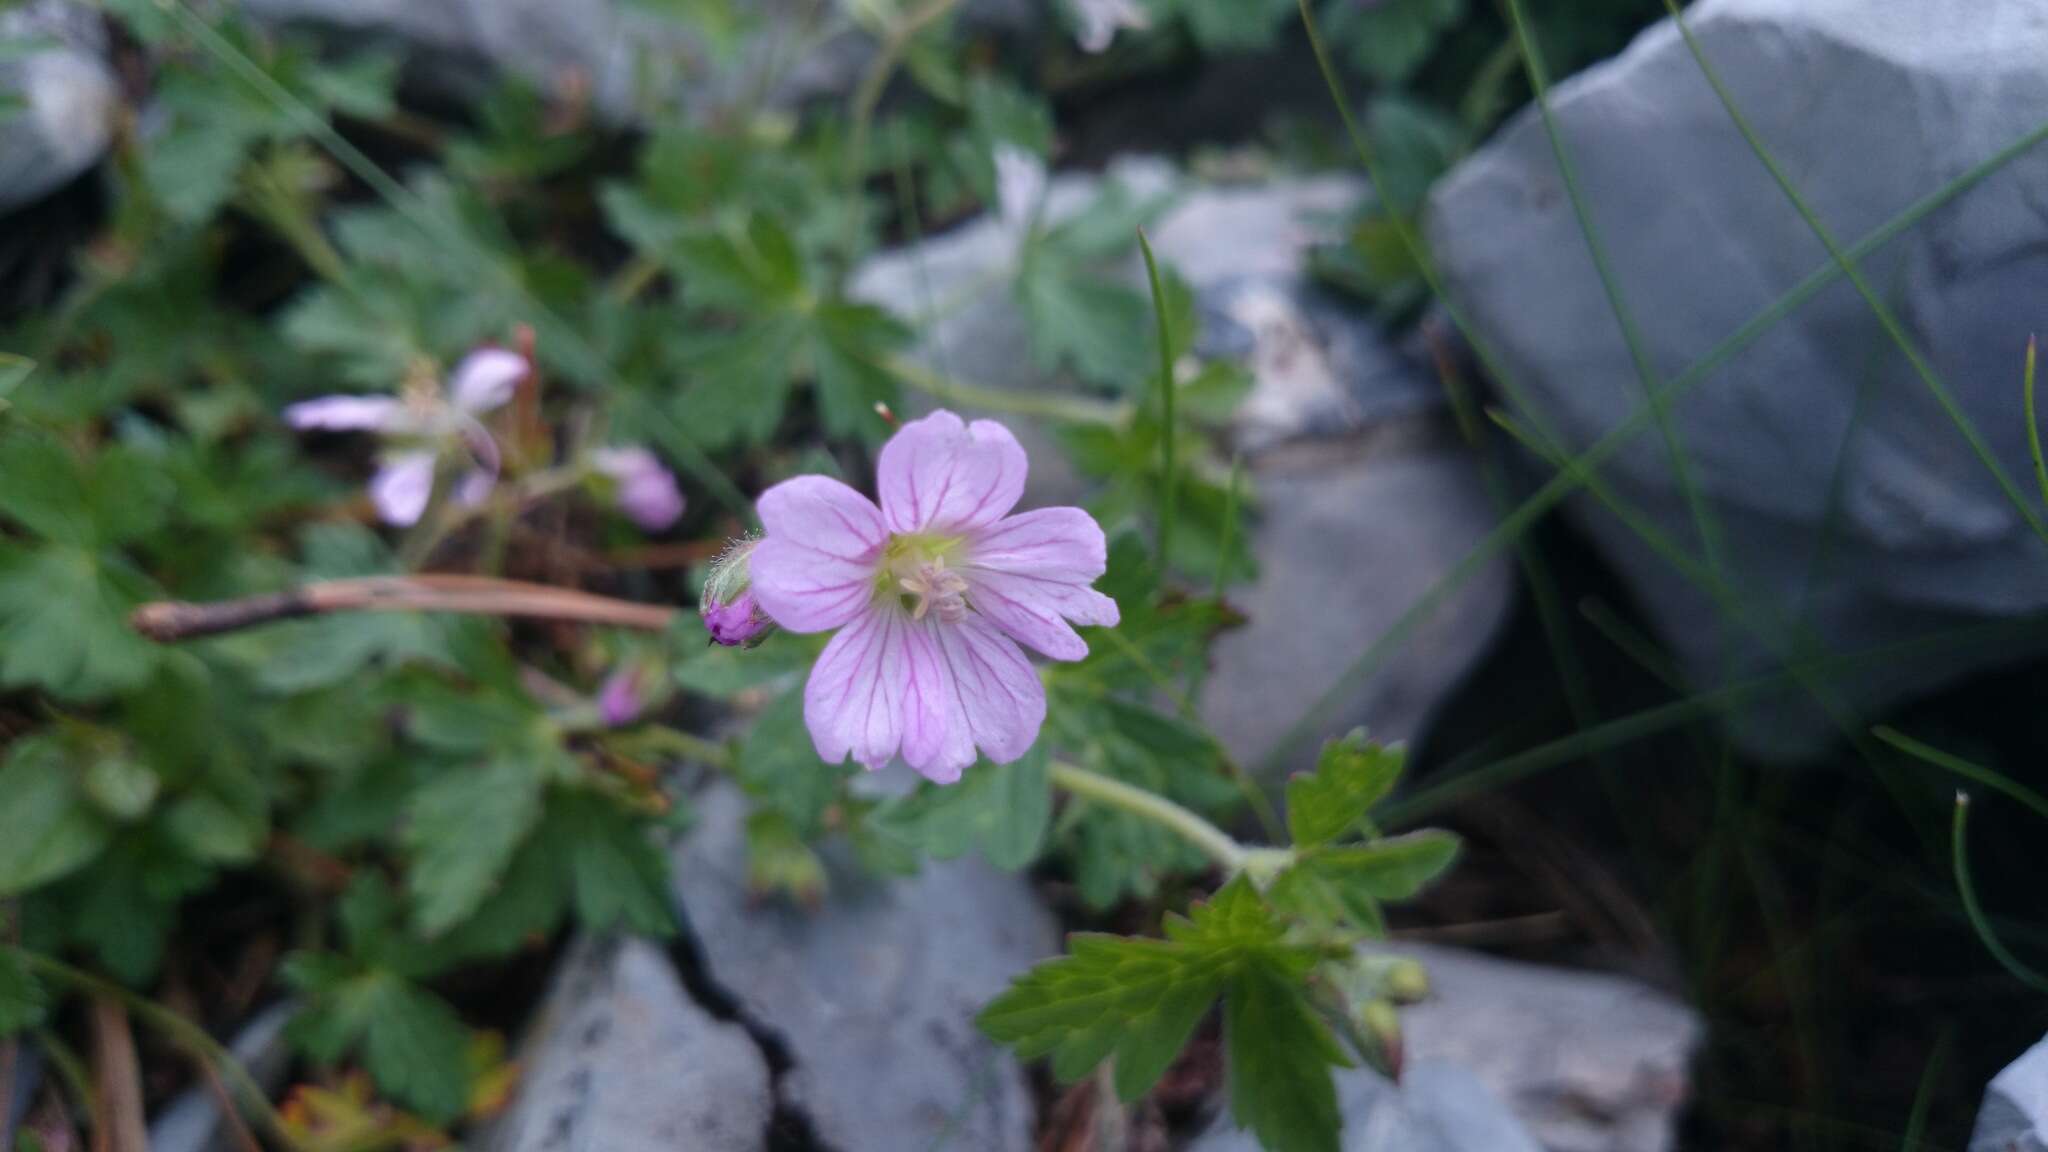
(1407, 982)
(728, 607)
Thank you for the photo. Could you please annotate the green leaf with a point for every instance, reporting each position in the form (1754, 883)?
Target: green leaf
(620, 877)
(1138, 1000)
(48, 828)
(1352, 774)
(411, 1041)
(1280, 1056)
(122, 788)
(778, 766)
(462, 829)
(64, 622)
(850, 348)
(23, 1003)
(1004, 809)
(1392, 867)
(1083, 322)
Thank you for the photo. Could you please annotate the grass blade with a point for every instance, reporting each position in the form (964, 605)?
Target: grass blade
(1996, 781)
(1169, 432)
(1975, 911)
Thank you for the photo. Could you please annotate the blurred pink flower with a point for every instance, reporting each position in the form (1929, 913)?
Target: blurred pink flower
(647, 492)
(419, 427)
(1097, 21)
(933, 592)
(618, 700)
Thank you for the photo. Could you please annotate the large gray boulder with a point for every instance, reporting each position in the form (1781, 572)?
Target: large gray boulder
(870, 998)
(60, 97)
(1363, 496)
(1869, 105)
(625, 54)
(2015, 1113)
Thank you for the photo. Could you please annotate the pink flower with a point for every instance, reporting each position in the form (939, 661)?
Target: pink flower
(932, 593)
(420, 427)
(647, 492)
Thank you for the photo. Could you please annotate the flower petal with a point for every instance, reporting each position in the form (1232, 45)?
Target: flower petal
(400, 489)
(1030, 575)
(853, 702)
(823, 515)
(486, 378)
(942, 475)
(816, 569)
(347, 413)
(937, 739)
(1001, 695)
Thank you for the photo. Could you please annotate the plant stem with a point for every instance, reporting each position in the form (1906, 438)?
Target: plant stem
(468, 595)
(1052, 406)
(1217, 844)
(179, 1031)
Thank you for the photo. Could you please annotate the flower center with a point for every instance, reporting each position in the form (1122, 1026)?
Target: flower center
(915, 571)
(934, 589)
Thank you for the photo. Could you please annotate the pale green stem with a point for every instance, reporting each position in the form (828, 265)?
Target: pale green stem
(1052, 406)
(1214, 842)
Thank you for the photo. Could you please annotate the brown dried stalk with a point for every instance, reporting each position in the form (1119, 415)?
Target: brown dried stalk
(167, 620)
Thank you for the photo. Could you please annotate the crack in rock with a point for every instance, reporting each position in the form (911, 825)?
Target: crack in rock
(789, 1126)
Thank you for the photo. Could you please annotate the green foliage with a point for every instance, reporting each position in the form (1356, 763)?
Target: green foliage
(1352, 774)
(1137, 1001)
(1005, 810)
(23, 1002)
(368, 999)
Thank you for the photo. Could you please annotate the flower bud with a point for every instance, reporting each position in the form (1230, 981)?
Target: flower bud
(728, 606)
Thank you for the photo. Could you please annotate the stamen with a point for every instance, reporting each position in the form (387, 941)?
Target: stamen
(936, 591)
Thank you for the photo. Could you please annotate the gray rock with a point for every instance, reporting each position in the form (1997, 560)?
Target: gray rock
(1895, 98)
(622, 1059)
(1364, 498)
(628, 56)
(1589, 1062)
(1436, 1108)
(193, 1122)
(61, 97)
(872, 997)
(2015, 1113)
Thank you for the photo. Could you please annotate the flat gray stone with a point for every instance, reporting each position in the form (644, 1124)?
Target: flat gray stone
(1589, 1062)
(1894, 99)
(66, 98)
(621, 1059)
(2014, 1117)
(873, 995)
(1364, 497)
(1436, 1108)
